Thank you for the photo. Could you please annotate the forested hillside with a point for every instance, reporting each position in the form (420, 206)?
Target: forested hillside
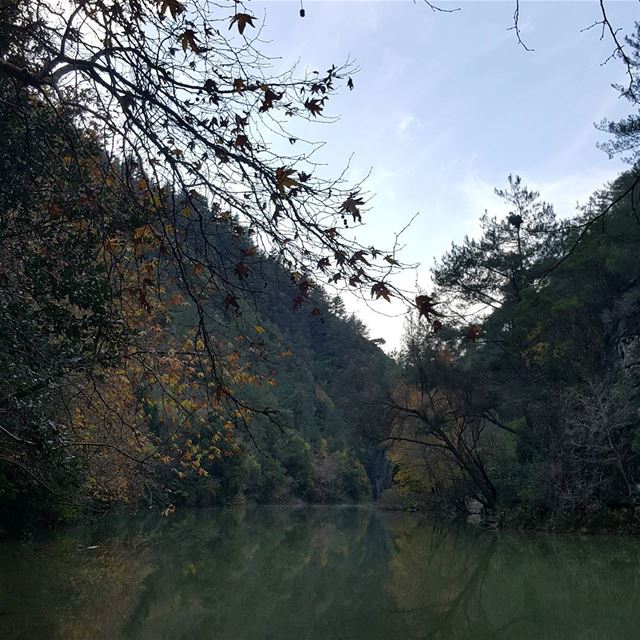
(167, 241)
(520, 398)
(130, 377)
(527, 402)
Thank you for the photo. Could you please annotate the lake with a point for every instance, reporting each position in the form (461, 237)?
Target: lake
(325, 573)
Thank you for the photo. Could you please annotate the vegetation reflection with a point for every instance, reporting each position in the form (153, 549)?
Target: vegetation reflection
(315, 573)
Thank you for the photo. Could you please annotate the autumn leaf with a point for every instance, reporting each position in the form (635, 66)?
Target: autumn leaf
(242, 141)
(242, 20)
(198, 269)
(436, 326)
(391, 260)
(259, 329)
(176, 299)
(174, 6)
(425, 305)
(359, 256)
(332, 232)
(284, 179)
(314, 107)
(241, 270)
(238, 85)
(269, 98)
(140, 234)
(210, 86)
(380, 290)
(241, 122)
(350, 84)
(110, 245)
(323, 263)
(188, 40)
(230, 301)
(340, 256)
(473, 332)
(352, 205)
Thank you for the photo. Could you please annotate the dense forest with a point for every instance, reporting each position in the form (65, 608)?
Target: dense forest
(531, 410)
(520, 399)
(89, 426)
(171, 332)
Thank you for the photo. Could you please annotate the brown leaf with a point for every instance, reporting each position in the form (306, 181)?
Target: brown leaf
(188, 40)
(242, 141)
(352, 205)
(269, 98)
(241, 270)
(473, 332)
(230, 301)
(323, 263)
(242, 20)
(380, 290)
(314, 106)
(284, 179)
(175, 8)
(359, 256)
(425, 305)
(210, 86)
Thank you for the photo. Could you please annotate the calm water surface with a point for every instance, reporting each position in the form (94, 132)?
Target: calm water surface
(315, 573)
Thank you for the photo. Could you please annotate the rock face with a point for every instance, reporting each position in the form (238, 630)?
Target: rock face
(624, 320)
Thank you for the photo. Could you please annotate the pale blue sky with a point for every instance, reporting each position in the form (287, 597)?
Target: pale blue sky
(447, 105)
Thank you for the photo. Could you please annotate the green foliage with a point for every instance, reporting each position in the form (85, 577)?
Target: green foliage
(625, 134)
(545, 392)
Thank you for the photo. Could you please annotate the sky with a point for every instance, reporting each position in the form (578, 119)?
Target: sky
(447, 105)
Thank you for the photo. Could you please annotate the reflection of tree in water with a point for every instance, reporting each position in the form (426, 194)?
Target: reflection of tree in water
(437, 580)
(65, 591)
(458, 584)
(316, 574)
(312, 573)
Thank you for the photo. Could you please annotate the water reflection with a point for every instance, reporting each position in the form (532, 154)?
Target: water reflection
(316, 573)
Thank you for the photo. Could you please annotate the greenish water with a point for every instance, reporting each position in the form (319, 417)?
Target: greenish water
(316, 573)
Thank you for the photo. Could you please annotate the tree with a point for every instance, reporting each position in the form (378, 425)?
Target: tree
(166, 85)
(626, 132)
(137, 148)
(511, 253)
